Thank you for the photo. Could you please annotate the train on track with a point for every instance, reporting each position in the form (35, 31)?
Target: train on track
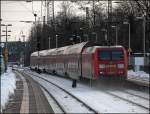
(86, 60)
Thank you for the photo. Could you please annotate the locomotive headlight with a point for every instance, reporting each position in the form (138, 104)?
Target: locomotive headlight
(120, 65)
(102, 66)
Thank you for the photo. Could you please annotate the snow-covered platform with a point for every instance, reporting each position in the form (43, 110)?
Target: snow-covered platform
(139, 77)
(22, 95)
(8, 85)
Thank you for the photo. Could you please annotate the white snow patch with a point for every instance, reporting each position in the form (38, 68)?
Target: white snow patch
(8, 84)
(99, 100)
(138, 74)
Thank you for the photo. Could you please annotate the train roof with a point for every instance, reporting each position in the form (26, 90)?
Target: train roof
(72, 49)
(43, 52)
(93, 48)
(75, 49)
(34, 54)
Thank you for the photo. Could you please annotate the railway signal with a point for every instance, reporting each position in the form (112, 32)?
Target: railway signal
(5, 55)
(129, 50)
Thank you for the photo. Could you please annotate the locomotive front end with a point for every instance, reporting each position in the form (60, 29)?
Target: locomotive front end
(111, 62)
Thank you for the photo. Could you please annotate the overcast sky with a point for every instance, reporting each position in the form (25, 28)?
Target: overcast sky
(12, 12)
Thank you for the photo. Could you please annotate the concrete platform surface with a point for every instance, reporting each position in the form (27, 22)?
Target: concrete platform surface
(28, 97)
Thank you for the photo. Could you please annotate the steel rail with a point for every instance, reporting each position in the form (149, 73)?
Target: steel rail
(127, 100)
(62, 109)
(136, 95)
(89, 107)
(105, 92)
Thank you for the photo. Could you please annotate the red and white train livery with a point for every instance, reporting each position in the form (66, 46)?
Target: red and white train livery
(82, 60)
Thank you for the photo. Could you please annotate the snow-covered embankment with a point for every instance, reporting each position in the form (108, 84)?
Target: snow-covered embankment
(8, 85)
(138, 74)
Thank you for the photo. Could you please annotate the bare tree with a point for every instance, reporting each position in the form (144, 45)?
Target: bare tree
(67, 9)
(136, 7)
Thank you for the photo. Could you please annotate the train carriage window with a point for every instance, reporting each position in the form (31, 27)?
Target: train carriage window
(117, 55)
(104, 55)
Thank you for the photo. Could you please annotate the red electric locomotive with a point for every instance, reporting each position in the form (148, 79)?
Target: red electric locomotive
(83, 60)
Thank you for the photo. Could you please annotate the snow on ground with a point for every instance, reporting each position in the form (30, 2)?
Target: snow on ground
(67, 102)
(8, 84)
(99, 100)
(138, 74)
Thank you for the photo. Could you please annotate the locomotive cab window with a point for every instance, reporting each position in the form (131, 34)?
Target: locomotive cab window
(110, 55)
(117, 55)
(104, 55)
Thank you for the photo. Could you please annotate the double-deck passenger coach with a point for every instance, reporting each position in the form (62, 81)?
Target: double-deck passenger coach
(84, 60)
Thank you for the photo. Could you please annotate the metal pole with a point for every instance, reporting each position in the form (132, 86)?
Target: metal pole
(94, 12)
(129, 43)
(53, 11)
(144, 22)
(105, 32)
(48, 12)
(0, 32)
(87, 37)
(49, 43)
(96, 37)
(6, 36)
(6, 51)
(56, 41)
(87, 16)
(41, 9)
(129, 37)
(37, 40)
(35, 29)
(79, 38)
(116, 35)
(24, 48)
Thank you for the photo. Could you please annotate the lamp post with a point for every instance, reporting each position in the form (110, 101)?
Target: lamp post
(56, 40)
(35, 15)
(6, 50)
(49, 42)
(23, 36)
(144, 25)
(105, 33)
(87, 37)
(79, 38)
(129, 44)
(116, 29)
(71, 39)
(95, 36)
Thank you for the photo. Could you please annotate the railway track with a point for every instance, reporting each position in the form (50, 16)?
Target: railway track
(130, 96)
(131, 99)
(131, 93)
(37, 102)
(81, 105)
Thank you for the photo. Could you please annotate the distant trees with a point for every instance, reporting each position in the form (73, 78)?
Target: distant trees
(71, 27)
(131, 11)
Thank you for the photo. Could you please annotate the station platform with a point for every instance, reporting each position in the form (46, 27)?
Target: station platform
(139, 81)
(28, 97)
